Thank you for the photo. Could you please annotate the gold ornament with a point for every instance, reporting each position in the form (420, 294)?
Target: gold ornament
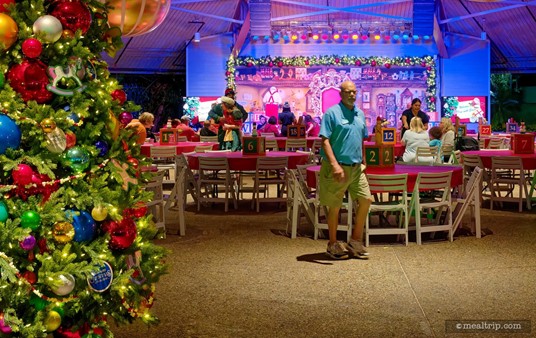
(99, 213)
(52, 321)
(67, 34)
(48, 125)
(137, 17)
(8, 31)
(63, 232)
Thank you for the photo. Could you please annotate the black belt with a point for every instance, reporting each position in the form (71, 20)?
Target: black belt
(349, 165)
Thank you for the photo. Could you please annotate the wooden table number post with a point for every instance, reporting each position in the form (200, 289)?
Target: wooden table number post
(383, 152)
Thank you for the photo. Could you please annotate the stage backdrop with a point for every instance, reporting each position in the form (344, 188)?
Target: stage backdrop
(385, 86)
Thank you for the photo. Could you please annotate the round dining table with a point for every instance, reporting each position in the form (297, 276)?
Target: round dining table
(180, 147)
(412, 171)
(529, 160)
(238, 161)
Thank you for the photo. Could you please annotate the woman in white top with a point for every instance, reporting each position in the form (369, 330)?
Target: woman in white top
(448, 131)
(413, 138)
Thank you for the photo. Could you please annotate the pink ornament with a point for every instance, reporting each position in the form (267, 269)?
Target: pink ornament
(423, 64)
(4, 328)
(408, 60)
(250, 64)
(428, 68)
(358, 63)
(280, 64)
(73, 14)
(270, 64)
(125, 118)
(387, 65)
(227, 73)
(337, 60)
(119, 96)
(432, 99)
(32, 48)
(22, 175)
(373, 63)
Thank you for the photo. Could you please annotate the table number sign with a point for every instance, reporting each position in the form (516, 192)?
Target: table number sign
(254, 145)
(484, 129)
(512, 127)
(379, 155)
(296, 131)
(523, 143)
(386, 136)
(168, 135)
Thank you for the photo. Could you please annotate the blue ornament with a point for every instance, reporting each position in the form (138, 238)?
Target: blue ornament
(84, 225)
(76, 158)
(101, 279)
(9, 134)
(3, 212)
(103, 147)
(75, 118)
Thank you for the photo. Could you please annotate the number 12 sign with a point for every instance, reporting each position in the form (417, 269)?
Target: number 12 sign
(388, 136)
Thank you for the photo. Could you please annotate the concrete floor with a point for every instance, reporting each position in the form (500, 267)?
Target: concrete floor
(238, 274)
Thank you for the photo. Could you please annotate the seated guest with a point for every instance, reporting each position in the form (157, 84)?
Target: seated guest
(312, 128)
(270, 127)
(184, 128)
(175, 123)
(435, 137)
(144, 122)
(206, 130)
(416, 136)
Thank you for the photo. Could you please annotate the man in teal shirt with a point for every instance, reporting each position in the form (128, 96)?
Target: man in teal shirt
(343, 130)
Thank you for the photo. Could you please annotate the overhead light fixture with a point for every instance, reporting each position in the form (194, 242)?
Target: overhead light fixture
(197, 37)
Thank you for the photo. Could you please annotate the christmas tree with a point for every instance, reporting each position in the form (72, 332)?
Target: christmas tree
(76, 249)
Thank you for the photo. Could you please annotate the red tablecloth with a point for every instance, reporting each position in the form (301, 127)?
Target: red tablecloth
(412, 171)
(181, 147)
(399, 148)
(238, 161)
(281, 141)
(529, 160)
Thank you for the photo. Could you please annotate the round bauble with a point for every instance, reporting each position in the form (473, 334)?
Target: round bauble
(22, 175)
(84, 227)
(30, 219)
(73, 14)
(119, 96)
(137, 17)
(48, 125)
(48, 27)
(76, 158)
(4, 214)
(28, 243)
(63, 232)
(52, 321)
(56, 141)
(9, 31)
(30, 276)
(30, 80)
(65, 286)
(102, 147)
(125, 118)
(99, 213)
(32, 48)
(70, 139)
(10, 134)
(122, 235)
(4, 328)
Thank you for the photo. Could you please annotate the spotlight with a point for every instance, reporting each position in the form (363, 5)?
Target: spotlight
(276, 36)
(315, 36)
(345, 35)
(406, 35)
(304, 36)
(336, 36)
(325, 36)
(377, 35)
(197, 37)
(294, 36)
(355, 36)
(416, 37)
(255, 37)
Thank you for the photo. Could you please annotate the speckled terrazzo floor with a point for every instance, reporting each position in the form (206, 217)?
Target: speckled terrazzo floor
(239, 275)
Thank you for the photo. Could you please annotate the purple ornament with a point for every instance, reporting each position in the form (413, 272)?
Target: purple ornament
(28, 243)
(125, 118)
(102, 146)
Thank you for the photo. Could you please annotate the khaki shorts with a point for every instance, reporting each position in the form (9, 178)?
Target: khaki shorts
(332, 191)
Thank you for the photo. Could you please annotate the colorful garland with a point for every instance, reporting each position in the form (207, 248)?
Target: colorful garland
(343, 60)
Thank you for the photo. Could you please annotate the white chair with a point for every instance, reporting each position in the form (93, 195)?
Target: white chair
(470, 162)
(321, 212)
(426, 155)
(293, 144)
(271, 144)
(380, 184)
(208, 138)
(298, 203)
(447, 150)
(156, 205)
(437, 185)
(456, 157)
(470, 198)
(507, 174)
(185, 182)
(202, 148)
(317, 145)
(270, 171)
(495, 143)
(215, 176)
(164, 159)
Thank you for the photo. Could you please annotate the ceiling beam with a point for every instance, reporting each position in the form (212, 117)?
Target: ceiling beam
(331, 9)
(240, 22)
(184, 2)
(242, 35)
(438, 37)
(495, 10)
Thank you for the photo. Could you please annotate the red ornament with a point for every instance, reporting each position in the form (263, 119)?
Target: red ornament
(250, 64)
(358, 63)
(134, 162)
(337, 60)
(122, 235)
(22, 175)
(227, 73)
(32, 48)
(270, 64)
(432, 99)
(428, 68)
(408, 61)
(30, 79)
(307, 62)
(119, 96)
(70, 138)
(5, 2)
(373, 63)
(30, 276)
(73, 14)
(108, 225)
(423, 64)
(139, 210)
(387, 65)
(280, 64)
(42, 244)
(47, 189)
